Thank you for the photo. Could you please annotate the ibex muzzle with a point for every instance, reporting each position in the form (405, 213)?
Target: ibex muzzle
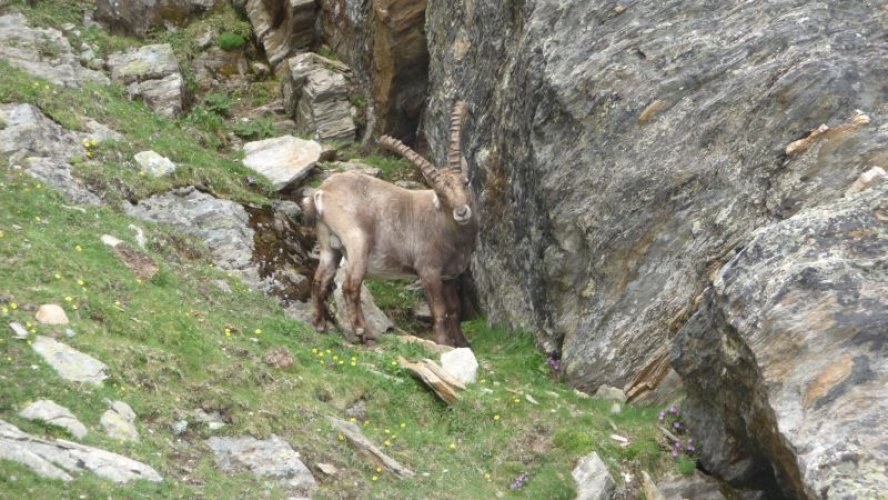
(386, 231)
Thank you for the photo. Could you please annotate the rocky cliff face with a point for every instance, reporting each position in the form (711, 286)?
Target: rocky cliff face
(626, 155)
(622, 152)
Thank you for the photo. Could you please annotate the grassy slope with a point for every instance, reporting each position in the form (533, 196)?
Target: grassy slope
(168, 352)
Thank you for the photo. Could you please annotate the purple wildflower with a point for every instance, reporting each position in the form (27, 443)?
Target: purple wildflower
(674, 453)
(251, 180)
(677, 425)
(691, 448)
(673, 410)
(662, 416)
(519, 481)
(678, 444)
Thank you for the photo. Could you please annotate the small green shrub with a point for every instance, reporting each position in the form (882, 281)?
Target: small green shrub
(254, 130)
(230, 41)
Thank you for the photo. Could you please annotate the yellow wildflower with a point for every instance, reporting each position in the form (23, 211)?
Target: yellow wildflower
(496, 418)
(78, 248)
(403, 425)
(37, 219)
(452, 446)
(258, 331)
(374, 478)
(387, 442)
(13, 306)
(69, 298)
(58, 276)
(80, 282)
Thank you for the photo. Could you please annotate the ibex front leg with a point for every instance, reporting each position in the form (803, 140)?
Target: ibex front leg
(451, 322)
(434, 294)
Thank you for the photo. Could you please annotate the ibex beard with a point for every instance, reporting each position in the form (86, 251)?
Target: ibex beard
(387, 232)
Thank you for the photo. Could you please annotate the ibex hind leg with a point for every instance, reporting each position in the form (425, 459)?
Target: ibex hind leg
(323, 278)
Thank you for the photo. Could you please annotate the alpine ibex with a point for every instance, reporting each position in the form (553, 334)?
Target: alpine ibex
(389, 232)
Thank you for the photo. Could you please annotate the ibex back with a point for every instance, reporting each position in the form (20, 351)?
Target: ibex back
(388, 232)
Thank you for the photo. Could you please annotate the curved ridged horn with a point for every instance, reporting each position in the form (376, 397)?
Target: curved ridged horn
(428, 170)
(454, 152)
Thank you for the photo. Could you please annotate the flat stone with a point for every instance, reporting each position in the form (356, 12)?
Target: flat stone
(594, 482)
(19, 332)
(272, 458)
(154, 164)
(54, 414)
(461, 364)
(111, 241)
(283, 160)
(327, 469)
(59, 459)
(52, 314)
(180, 427)
(120, 422)
(43, 53)
(70, 363)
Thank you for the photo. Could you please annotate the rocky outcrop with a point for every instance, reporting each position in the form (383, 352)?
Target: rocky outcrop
(119, 422)
(272, 458)
(593, 480)
(384, 42)
(316, 93)
(283, 27)
(152, 74)
(787, 376)
(59, 459)
(154, 164)
(619, 154)
(138, 17)
(43, 53)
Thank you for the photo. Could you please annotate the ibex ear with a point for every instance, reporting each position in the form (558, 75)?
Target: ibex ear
(436, 201)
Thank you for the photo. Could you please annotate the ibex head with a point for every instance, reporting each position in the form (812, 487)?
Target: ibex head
(451, 184)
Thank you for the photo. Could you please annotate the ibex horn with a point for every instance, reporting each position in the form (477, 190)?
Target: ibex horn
(456, 121)
(428, 170)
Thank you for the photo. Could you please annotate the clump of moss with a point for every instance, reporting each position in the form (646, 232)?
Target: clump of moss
(230, 41)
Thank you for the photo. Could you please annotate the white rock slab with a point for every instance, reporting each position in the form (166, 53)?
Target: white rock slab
(120, 422)
(19, 332)
(154, 164)
(461, 364)
(609, 393)
(60, 458)
(52, 314)
(283, 160)
(271, 458)
(54, 414)
(594, 482)
(70, 363)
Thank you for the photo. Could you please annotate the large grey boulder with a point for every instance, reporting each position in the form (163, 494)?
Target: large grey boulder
(52, 413)
(787, 376)
(283, 27)
(61, 459)
(283, 160)
(152, 73)
(272, 458)
(138, 17)
(70, 363)
(316, 96)
(43, 53)
(619, 154)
